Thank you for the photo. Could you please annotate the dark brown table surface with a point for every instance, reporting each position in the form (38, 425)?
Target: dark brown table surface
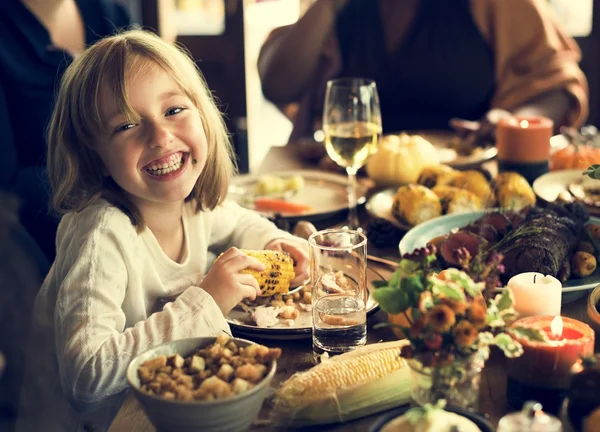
(297, 354)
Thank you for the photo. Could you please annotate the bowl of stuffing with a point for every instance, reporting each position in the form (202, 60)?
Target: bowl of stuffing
(210, 383)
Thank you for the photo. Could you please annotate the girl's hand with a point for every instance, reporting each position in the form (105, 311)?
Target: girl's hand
(226, 284)
(298, 254)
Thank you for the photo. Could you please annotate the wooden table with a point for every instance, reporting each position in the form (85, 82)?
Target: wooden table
(297, 354)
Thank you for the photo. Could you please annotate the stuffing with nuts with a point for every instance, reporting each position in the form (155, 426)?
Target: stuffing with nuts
(216, 371)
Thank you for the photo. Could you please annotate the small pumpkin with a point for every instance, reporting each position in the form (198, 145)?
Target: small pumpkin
(574, 156)
(400, 159)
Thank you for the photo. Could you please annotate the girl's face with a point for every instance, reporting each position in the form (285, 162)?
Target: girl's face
(152, 159)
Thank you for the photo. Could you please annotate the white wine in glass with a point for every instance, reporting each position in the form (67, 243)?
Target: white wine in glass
(352, 126)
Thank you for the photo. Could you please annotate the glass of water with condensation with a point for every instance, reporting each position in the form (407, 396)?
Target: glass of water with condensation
(338, 272)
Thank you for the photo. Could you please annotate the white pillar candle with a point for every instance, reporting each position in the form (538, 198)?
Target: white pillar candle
(536, 294)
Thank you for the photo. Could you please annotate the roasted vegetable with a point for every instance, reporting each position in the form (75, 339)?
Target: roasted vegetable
(436, 175)
(414, 204)
(455, 200)
(476, 182)
(513, 191)
(583, 264)
(278, 274)
(352, 385)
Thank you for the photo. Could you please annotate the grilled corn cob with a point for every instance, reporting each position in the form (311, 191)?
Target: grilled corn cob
(436, 175)
(513, 191)
(278, 274)
(352, 385)
(414, 204)
(475, 182)
(455, 200)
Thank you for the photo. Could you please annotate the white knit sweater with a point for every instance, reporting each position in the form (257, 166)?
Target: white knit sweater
(93, 312)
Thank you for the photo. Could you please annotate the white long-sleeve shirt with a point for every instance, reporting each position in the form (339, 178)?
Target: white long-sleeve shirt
(93, 312)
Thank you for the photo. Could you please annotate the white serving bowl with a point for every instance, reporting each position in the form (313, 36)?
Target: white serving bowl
(231, 414)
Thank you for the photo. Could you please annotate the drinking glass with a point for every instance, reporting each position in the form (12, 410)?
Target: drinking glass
(352, 126)
(338, 270)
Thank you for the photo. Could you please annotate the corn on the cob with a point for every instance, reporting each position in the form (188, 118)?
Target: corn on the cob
(278, 274)
(415, 204)
(513, 191)
(370, 379)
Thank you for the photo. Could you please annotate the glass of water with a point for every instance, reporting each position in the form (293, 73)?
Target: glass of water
(338, 271)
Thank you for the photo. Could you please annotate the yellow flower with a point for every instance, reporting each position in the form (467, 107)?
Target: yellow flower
(476, 313)
(441, 318)
(465, 334)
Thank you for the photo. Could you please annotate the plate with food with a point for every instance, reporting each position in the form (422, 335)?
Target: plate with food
(569, 186)
(299, 194)
(442, 190)
(559, 240)
(287, 315)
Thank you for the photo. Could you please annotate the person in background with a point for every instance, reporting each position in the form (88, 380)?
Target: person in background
(38, 40)
(433, 61)
(139, 160)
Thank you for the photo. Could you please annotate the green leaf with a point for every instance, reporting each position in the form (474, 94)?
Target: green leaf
(493, 317)
(391, 300)
(593, 171)
(508, 345)
(379, 284)
(450, 291)
(529, 334)
(408, 267)
(395, 279)
(505, 300)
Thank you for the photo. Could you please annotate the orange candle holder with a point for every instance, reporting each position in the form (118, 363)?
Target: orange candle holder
(523, 144)
(543, 372)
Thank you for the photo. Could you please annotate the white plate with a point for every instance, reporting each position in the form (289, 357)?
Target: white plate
(326, 193)
(302, 327)
(380, 205)
(421, 234)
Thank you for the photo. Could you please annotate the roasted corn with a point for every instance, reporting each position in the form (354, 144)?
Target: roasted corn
(414, 204)
(455, 200)
(513, 191)
(352, 385)
(436, 175)
(278, 274)
(475, 182)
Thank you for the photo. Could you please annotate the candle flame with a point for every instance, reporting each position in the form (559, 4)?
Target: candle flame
(524, 124)
(556, 326)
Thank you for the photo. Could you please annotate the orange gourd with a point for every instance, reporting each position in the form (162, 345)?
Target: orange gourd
(574, 157)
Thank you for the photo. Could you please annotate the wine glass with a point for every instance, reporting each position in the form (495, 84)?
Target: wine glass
(352, 126)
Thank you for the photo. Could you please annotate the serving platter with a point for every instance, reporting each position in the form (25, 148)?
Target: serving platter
(325, 193)
(423, 233)
(301, 327)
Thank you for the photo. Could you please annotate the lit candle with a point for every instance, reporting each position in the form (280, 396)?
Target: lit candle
(548, 363)
(536, 294)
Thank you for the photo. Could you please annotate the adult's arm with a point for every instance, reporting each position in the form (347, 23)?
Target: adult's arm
(537, 69)
(290, 56)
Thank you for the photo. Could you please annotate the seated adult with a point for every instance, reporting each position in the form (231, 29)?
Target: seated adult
(433, 60)
(38, 39)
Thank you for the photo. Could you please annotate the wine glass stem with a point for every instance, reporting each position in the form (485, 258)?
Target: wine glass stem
(352, 213)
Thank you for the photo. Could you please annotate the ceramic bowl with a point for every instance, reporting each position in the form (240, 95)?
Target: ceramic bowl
(230, 414)
(482, 423)
(593, 313)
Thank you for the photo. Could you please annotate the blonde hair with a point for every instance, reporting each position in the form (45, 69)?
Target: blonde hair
(77, 125)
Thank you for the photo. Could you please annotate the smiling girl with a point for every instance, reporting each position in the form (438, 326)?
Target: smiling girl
(139, 161)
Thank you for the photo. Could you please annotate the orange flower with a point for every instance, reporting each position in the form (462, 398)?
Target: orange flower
(458, 307)
(433, 341)
(476, 313)
(465, 334)
(441, 318)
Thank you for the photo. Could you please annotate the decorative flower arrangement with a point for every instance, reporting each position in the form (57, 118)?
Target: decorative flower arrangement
(453, 316)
